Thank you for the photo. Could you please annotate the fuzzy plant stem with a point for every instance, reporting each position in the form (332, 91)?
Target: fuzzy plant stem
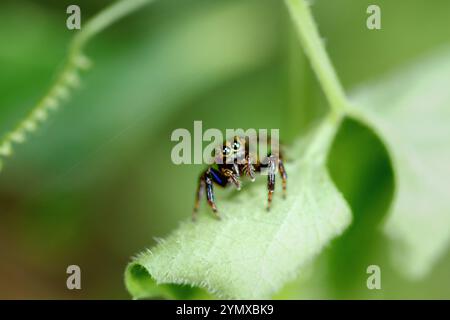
(68, 78)
(313, 46)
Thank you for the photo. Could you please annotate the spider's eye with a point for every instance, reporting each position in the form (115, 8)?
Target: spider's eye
(226, 151)
(236, 146)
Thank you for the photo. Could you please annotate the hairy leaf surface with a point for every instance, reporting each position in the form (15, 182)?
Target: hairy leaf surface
(251, 253)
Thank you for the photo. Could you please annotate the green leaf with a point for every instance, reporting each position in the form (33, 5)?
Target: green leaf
(410, 111)
(250, 253)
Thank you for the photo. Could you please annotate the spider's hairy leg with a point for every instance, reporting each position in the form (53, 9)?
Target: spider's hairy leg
(271, 179)
(236, 169)
(236, 175)
(249, 168)
(210, 192)
(205, 182)
(283, 175)
(199, 195)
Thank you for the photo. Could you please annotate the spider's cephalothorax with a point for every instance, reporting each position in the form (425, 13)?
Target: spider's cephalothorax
(233, 161)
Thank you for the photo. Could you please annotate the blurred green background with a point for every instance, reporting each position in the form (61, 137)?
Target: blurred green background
(96, 183)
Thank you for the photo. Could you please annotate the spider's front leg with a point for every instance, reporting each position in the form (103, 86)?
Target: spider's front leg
(249, 169)
(283, 175)
(210, 193)
(271, 170)
(206, 182)
(199, 195)
(273, 163)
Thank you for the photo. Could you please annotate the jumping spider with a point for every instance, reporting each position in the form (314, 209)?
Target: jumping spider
(236, 160)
